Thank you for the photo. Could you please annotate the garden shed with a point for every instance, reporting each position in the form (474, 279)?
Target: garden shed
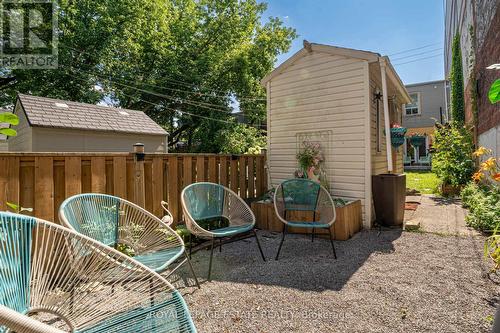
(53, 125)
(346, 101)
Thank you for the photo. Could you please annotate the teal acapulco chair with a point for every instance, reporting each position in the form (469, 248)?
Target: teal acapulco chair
(51, 274)
(122, 224)
(213, 211)
(304, 195)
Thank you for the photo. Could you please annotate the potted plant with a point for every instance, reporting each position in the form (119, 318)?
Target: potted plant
(310, 158)
(397, 135)
(417, 139)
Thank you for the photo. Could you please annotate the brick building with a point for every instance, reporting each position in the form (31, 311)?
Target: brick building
(478, 24)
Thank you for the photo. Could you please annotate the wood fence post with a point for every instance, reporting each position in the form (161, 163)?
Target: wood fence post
(139, 185)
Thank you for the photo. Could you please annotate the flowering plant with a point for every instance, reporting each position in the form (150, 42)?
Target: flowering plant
(489, 169)
(311, 156)
(311, 159)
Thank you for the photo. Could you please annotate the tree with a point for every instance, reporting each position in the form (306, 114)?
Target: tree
(457, 82)
(185, 63)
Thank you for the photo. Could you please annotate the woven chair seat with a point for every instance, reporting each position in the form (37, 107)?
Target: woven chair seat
(49, 269)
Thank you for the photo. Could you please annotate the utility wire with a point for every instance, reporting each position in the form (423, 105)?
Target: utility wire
(242, 97)
(209, 106)
(417, 54)
(407, 62)
(181, 111)
(187, 101)
(415, 49)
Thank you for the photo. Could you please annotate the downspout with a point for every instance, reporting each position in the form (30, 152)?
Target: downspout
(387, 125)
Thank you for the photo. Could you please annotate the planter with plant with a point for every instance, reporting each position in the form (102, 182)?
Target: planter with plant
(311, 163)
(417, 139)
(397, 135)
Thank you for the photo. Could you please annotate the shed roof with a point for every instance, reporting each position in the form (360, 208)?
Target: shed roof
(56, 113)
(369, 56)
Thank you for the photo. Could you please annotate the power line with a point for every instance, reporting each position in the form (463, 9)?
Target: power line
(407, 62)
(415, 49)
(180, 111)
(417, 54)
(209, 106)
(242, 97)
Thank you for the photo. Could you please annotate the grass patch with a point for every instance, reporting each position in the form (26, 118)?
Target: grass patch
(426, 182)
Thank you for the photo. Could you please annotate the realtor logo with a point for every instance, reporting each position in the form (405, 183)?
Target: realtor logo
(28, 34)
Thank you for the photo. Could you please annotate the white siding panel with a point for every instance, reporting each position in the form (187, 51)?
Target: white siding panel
(24, 138)
(320, 92)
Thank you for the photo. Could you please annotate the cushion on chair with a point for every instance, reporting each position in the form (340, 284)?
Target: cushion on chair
(159, 260)
(298, 224)
(231, 231)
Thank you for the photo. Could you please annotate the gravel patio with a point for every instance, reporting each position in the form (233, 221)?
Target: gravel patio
(388, 281)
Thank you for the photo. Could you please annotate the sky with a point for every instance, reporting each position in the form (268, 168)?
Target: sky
(406, 30)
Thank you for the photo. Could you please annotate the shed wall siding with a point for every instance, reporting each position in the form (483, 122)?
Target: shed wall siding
(23, 140)
(320, 92)
(63, 140)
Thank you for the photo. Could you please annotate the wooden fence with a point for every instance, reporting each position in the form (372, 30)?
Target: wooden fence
(43, 180)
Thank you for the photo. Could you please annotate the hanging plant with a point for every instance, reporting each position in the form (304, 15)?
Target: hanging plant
(397, 135)
(417, 139)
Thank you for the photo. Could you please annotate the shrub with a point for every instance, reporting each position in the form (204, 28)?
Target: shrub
(484, 206)
(457, 82)
(452, 159)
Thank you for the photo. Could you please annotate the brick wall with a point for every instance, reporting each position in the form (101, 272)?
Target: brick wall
(488, 114)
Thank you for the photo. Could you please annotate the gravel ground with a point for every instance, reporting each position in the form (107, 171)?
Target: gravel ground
(381, 282)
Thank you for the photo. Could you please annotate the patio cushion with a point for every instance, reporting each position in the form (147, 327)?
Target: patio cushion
(232, 230)
(160, 259)
(299, 224)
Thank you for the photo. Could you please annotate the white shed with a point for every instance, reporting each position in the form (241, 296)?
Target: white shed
(53, 125)
(329, 95)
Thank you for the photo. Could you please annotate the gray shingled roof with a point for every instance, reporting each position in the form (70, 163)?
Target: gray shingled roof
(49, 112)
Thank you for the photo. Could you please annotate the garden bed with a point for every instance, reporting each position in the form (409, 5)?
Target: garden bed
(348, 221)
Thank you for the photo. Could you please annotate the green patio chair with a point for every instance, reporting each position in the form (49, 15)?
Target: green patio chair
(425, 160)
(304, 195)
(213, 211)
(126, 226)
(48, 271)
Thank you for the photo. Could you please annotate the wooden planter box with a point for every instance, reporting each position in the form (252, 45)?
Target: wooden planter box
(447, 189)
(348, 222)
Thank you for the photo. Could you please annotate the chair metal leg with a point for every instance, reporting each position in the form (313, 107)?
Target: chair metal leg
(190, 244)
(210, 262)
(331, 241)
(281, 243)
(312, 237)
(192, 270)
(220, 245)
(258, 244)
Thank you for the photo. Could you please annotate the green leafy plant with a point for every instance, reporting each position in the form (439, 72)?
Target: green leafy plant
(452, 158)
(494, 93)
(17, 208)
(457, 82)
(11, 119)
(484, 206)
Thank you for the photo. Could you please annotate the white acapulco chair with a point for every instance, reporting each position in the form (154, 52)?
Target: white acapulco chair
(119, 223)
(213, 211)
(49, 271)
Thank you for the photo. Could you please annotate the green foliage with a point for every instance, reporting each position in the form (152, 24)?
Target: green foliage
(17, 208)
(11, 119)
(484, 206)
(452, 160)
(457, 82)
(182, 62)
(229, 139)
(494, 93)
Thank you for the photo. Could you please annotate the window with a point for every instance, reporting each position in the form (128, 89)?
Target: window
(414, 107)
